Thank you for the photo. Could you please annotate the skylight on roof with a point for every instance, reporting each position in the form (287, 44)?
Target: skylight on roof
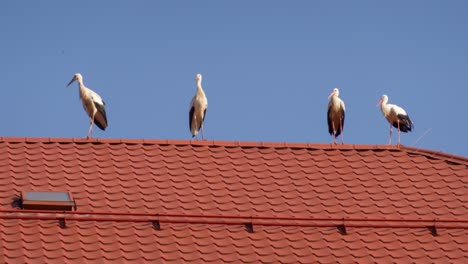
(60, 201)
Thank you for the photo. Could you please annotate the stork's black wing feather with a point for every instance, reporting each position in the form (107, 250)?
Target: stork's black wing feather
(329, 120)
(405, 123)
(191, 114)
(342, 121)
(100, 119)
(204, 114)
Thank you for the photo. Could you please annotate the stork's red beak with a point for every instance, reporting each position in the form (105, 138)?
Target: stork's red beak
(331, 94)
(380, 101)
(72, 80)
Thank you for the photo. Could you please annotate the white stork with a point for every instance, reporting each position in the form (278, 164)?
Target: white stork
(396, 116)
(198, 108)
(92, 104)
(335, 115)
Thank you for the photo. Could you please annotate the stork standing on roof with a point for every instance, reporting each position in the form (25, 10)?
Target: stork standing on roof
(396, 116)
(92, 104)
(336, 115)
(198, 107)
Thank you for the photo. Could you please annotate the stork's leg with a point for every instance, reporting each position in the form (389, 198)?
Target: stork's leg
(390, 138)
(334, 133)
(341, 129)
(398, 122)
(202, 133)
(90, 130)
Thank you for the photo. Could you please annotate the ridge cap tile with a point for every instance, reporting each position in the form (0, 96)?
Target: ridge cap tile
(401, 148)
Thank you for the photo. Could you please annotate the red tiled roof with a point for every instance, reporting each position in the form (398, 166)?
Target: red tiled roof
(202, 194)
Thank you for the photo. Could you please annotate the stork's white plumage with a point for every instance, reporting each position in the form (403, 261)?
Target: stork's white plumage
(92, 104)
(396, 116)
(198, 107)
(335, 115)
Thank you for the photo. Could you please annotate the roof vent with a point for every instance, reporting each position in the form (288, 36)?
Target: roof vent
(433, 230)
(57, 201)
(62, 223)
(342, 229)
(156, 225)
(249, 227)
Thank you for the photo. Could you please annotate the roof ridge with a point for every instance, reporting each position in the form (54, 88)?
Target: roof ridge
(261, 144)
(224, 143)
(437, 153)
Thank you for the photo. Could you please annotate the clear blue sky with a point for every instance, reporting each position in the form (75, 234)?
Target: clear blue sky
(268, 67)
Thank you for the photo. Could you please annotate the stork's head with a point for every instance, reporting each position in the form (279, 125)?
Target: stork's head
(76, 77)
(335, 92)
(383, 100)
(198, 77)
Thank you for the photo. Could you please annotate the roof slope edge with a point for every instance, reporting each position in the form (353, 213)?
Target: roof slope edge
(244, 144)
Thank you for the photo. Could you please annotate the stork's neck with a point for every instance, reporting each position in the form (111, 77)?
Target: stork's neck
(384, 103)
(384, 107)
(199, 87)
(335, 99)
(82, 88)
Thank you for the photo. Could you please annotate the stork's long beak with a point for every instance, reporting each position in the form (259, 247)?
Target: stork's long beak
(331, 94)
(380, 101)
(72, 80)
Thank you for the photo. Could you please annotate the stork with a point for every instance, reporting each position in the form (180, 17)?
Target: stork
(92, 104)
(198, 107)
(335, 115)
(396, 116)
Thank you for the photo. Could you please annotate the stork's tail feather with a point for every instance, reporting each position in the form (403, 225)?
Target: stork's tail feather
(338, 132)
(406, 125)
(330, 129)
(100, 118)
(101, 126)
